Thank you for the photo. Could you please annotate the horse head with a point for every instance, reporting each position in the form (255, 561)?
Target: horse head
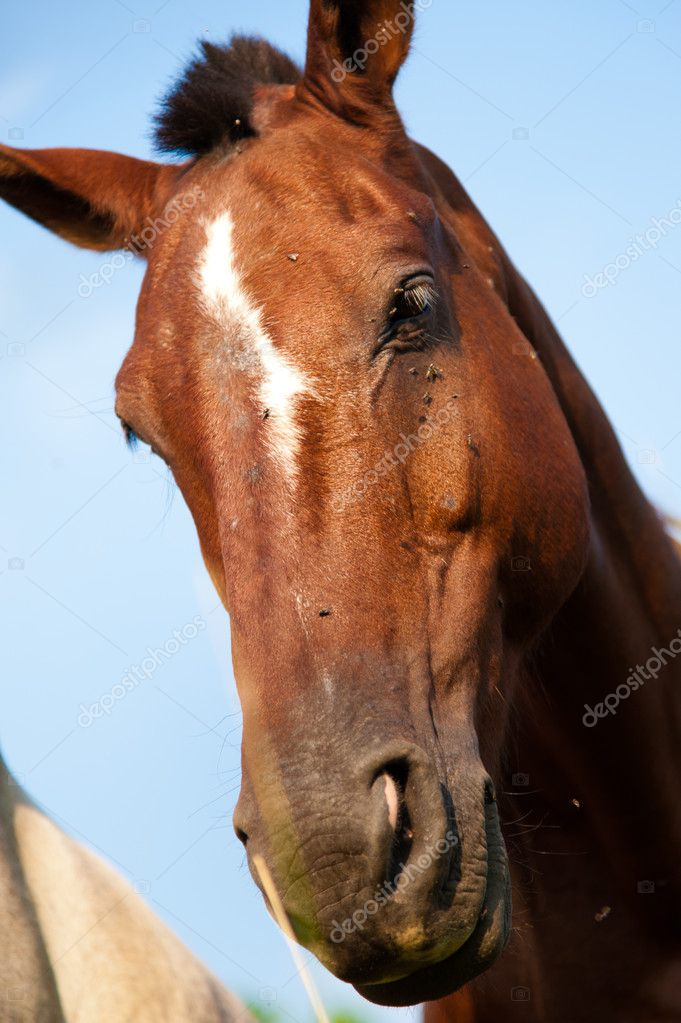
(387, 493)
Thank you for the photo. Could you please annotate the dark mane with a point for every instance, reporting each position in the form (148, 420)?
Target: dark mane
(213, 99)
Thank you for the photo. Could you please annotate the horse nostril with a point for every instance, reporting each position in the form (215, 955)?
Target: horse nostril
(240, 834)
(393, 777)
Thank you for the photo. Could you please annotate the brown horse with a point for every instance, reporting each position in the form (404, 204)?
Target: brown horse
(430, 546)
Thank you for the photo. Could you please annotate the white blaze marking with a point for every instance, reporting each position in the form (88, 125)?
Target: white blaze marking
(250, 346)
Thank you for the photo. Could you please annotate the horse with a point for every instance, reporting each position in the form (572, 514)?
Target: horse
(454, 615)
(79, 943)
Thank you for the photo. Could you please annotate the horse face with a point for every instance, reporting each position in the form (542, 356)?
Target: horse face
(390, 504)
(387, 495)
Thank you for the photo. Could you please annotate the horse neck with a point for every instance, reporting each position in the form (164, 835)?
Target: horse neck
(624, 769)
(9, 792)
(25, 970)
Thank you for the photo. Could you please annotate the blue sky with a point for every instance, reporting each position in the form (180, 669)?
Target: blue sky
(561, 118)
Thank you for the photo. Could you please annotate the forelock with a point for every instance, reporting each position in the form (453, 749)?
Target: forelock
(212, 103)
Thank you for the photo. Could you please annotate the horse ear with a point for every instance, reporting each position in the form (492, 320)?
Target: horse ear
(356, 48)
(93, 199)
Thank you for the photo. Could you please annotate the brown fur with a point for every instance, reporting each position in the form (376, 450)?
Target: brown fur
(445, 631)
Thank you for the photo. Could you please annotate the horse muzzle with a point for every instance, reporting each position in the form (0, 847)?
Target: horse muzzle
(390, 879)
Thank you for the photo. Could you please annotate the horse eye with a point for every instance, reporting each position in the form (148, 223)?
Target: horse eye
(412, 300)
(131, 438)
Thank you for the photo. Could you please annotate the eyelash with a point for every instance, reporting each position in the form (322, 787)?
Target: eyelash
(419, 298)
(412, 303)
(131, 438)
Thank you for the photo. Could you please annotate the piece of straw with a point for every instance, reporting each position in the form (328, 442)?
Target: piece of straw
(285, 924)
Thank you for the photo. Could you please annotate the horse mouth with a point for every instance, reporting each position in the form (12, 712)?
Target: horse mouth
(485, 944)
(441, 979)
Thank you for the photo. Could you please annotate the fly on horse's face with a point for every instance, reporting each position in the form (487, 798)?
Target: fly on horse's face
(387, 495)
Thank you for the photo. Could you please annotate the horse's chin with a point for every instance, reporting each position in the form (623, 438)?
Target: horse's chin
(438, 980)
